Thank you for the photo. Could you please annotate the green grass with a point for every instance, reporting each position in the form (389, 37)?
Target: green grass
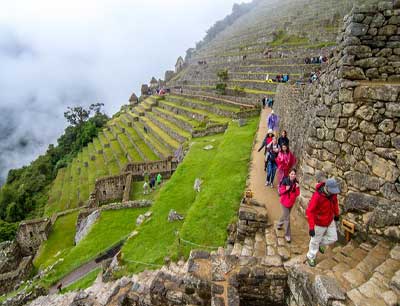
(152, 140)
(164, 136)
(111, 227)
(232, 108)
(193, 122)
(224, 171)
(143, 147)
(247, 90)
(60, 241)
(175, 128)
(84, 282)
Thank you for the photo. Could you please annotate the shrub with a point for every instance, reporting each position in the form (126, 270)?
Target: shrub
(223, 75)
(221, 88)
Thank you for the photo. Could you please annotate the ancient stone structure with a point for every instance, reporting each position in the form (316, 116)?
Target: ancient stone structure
(144, 90)
(169, 74)
(351, 123)
(153, 83)
(117, 187)
(31, 234)
(179, 64)
(133, 99)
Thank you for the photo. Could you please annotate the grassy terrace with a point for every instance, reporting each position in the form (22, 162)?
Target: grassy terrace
(246, 90)
(210, 115)
(111, 228)
(152, 140)
(223, 171)
(205, 103)
(72, 186)
(173, 127)
(193, 122)
(143, 147)
(166, 138)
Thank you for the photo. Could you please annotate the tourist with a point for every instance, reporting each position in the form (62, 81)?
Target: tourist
(283, 139)
(270, 102)
(270, 158)
(289, 190)
(146, 187)
(263, 102)
(285, 161)
(59, 287)
(273, 121)
(145, 129)
(152, 183)
(322, 212)
(159, 179)
(267, 140)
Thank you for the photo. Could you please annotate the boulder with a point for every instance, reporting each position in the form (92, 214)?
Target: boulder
(174, 216)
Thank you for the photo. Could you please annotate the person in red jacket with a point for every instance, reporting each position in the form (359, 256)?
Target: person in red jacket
(322, 212)
(289, 190)
(285, 161)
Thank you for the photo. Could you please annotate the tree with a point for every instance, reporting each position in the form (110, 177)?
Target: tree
(77, 115)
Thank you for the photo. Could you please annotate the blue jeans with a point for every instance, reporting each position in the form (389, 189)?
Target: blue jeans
(271, 170)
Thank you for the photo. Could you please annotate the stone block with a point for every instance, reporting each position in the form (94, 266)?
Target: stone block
(328, 290)
(357, 29)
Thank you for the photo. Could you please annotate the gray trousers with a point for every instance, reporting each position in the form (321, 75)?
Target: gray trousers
(285, 219)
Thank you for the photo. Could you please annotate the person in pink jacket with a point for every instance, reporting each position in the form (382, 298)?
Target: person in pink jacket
(289, 190)
(285, 161)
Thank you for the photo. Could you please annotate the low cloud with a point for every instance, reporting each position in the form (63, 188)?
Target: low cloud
(55, 54)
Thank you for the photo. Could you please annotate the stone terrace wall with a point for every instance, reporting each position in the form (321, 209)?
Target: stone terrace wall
(354, 134)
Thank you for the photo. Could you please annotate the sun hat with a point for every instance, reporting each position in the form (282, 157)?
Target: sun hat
(270, 131)
(332, 186)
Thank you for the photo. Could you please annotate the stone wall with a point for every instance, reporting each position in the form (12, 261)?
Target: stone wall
(10, 279)
(350, 124)
(31, 234)
(10, 256)
(113, 188)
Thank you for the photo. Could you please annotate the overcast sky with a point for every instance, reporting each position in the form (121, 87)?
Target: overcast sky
(55, 54)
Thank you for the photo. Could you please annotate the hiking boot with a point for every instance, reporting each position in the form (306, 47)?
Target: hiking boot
(288, 239)
(322, 249)
(311, 262)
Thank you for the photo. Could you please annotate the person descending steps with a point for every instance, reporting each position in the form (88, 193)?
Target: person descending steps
(289, 190)
(322, 213)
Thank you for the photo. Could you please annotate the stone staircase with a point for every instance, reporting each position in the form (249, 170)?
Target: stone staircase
(354, 274)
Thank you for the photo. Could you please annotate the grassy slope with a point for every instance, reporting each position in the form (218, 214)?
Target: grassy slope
(111, 227)
(224, 171)
(61, 239)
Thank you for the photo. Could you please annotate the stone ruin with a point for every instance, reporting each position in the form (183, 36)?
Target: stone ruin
(347, 124)
(16, 257)
(118, 187)
(31, 234)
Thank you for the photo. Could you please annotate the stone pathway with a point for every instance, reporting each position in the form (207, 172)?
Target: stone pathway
(269, 196)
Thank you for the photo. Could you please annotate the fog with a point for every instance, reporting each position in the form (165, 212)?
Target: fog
(55, 54)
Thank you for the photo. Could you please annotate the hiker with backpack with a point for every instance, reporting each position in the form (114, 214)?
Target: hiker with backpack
(289, 190)
(270, 159)
(322, 213)
(267, 140)
(285, 161)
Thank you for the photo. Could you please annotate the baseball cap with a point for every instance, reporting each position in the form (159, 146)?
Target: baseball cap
(332, 186)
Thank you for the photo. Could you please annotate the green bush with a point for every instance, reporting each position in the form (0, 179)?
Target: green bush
(223, 75)
(7, 230)
(221, 88)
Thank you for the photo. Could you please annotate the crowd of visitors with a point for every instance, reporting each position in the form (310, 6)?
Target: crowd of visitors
(316, 60)
(279, 78)
(151, 182)
(323, 209)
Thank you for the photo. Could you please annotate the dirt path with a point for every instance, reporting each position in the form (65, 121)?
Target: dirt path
(75, 275)
(269, 196)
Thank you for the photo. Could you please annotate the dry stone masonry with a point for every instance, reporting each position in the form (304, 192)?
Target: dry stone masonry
(350, 120)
